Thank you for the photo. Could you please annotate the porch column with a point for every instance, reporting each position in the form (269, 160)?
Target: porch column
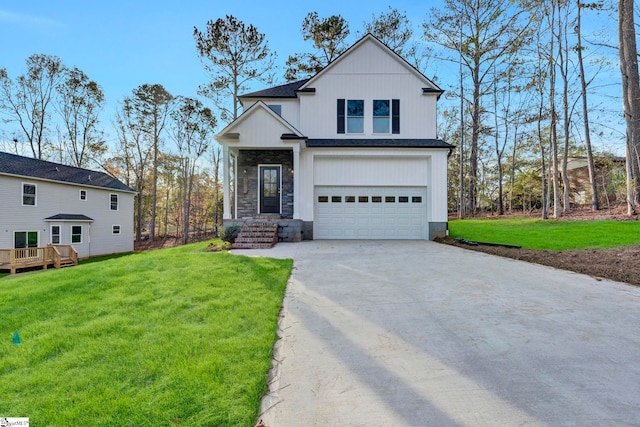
(296, 181)
(226, 208)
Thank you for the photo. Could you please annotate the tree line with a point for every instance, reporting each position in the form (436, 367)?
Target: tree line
(520, 109)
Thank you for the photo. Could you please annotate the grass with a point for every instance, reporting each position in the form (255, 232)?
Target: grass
(177, 336)
(550, 234)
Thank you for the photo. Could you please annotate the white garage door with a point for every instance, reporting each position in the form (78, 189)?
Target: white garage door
(370, 213)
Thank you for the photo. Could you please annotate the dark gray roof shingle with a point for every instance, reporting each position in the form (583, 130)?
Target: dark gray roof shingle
(397, 143)
(283, 91)
(69, 217)
(11, 164)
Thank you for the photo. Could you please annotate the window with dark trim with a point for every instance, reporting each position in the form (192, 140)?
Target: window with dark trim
(28, 194)
(76, 234)
(323, 199)
(83, 194)
(113, 204)
(25, 239)
(350, 116)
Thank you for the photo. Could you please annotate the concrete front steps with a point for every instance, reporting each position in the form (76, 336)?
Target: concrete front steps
(256, 235)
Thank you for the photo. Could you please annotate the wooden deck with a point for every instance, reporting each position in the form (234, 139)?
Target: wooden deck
(57, 256)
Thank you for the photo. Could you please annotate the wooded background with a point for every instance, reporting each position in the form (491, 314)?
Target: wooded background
(529, 88)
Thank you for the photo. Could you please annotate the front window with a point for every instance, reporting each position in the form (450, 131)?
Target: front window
(26, 239)
(355, 116)
(76, 234)
(381, 116)
(83, 194)
(28, 194)
(114, 202)
(55, 234)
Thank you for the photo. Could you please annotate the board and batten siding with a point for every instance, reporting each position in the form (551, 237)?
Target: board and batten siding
(54, 198)
(290, 108)
(369, 74)
(261, 131)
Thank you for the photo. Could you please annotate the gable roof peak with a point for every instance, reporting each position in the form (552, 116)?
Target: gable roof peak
(369, 37)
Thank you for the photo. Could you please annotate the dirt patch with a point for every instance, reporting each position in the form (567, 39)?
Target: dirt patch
(620, 264)
(166, 242)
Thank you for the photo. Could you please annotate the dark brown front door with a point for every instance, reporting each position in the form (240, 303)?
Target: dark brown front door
(269, 189)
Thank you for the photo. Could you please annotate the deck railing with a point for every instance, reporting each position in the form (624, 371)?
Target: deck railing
(58, 256)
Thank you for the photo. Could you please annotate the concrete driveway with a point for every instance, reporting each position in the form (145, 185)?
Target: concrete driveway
(391, 333)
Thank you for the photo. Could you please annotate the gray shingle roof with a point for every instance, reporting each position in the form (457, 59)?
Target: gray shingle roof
(283, 91)
(11, 164)
(397, 143)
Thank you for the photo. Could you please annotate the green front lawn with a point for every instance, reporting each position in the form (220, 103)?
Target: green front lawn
(177, 336)
(550, 234)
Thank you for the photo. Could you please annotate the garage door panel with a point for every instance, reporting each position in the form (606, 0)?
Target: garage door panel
(370, 213)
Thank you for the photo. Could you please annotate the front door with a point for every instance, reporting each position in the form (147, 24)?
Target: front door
(269, 189)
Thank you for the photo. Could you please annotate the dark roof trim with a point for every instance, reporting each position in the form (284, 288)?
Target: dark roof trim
(426, 90)
(378, 143)
(69, 217)
(292, 136)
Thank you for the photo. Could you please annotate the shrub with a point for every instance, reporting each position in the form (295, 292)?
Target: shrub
(229, 234)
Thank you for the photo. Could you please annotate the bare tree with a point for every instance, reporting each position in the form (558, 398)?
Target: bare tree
(192, 129)
(482, 33)
(79, 104)
(27, 101)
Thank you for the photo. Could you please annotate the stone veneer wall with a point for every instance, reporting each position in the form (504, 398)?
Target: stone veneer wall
(248, 160)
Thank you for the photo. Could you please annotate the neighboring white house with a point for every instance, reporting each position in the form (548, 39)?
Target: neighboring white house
(46, 203)
(352, 153)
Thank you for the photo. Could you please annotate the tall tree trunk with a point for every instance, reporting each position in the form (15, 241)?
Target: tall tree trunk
(553, 137)
(475, 136)
(563, 66)
(631, 98)
(585, 112)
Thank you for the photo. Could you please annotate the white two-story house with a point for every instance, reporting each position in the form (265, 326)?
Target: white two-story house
(45, 203)
(351, 153)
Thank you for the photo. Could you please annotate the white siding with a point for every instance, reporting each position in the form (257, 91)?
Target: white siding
(259, 130)
(368, 73)
(290, 108)
(57, 198)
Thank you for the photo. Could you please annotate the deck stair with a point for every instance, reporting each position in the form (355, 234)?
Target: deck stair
(257, 235)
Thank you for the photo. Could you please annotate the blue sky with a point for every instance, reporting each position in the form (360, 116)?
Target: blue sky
(123, 44)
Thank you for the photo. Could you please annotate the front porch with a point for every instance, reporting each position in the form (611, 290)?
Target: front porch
(57, 256)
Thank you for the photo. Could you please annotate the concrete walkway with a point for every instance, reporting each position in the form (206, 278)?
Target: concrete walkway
(421, 334)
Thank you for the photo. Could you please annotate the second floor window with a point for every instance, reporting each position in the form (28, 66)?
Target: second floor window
(114, 202)
(355, 116)
(386, 116)
(28, 194)
(83, 194)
